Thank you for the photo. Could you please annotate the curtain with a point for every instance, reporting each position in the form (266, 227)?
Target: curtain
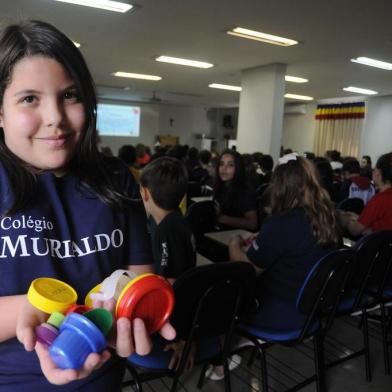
(338, 127)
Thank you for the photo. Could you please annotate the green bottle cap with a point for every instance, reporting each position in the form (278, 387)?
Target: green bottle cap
(102, 318)
(56, 319)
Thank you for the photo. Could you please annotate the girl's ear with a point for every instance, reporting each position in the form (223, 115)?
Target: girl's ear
(145, 193)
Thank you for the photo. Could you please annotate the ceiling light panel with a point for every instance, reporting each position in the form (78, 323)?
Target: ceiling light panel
(225, 87)
(121, 74)
(299, 97)
(109, 5)
(179, 61)
(360, 90)
(373, 63)
(295, 79)
(263, 37)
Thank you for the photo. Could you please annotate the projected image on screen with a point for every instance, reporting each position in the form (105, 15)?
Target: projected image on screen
(118, 120)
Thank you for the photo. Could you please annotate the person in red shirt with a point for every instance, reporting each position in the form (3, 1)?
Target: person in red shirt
(377, 214)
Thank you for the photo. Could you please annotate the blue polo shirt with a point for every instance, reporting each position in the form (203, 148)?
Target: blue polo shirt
(66, 233)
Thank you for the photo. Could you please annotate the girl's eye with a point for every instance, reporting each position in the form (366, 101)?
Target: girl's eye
(29, 99)
(71, 96)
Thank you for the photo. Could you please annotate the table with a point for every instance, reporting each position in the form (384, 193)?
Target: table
(348, 242)
(201, 198)
(223, 237)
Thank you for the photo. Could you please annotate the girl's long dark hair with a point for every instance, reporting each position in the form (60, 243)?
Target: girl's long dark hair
(35, 38)
(296, 184)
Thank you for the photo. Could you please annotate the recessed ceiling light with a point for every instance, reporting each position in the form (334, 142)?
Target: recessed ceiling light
(109, 5)
(225, 87)
(259, 36)
(295, 79)
(77, 44)
(373, 63)
(359, 90)
(189, 63)
(300, 97)
(136, 76)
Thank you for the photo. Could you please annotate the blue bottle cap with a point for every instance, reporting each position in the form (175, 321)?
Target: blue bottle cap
(78, 338)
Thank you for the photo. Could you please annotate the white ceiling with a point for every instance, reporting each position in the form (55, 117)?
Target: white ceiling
(330, 33)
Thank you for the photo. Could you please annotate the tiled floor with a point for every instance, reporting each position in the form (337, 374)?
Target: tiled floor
(286, 366)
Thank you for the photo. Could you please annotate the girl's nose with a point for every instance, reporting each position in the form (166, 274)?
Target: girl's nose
(54, 114)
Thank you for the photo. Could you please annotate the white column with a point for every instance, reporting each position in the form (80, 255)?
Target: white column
(260, 119)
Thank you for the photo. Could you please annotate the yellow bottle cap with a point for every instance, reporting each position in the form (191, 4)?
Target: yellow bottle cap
(88, 301)
(51, 295)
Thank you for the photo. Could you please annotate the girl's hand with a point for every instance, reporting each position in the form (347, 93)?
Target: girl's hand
(59, 376)
(28, 320)
(127, 337)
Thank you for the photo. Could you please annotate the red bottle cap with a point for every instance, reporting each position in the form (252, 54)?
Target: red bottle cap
(77, 309)
(149, 297)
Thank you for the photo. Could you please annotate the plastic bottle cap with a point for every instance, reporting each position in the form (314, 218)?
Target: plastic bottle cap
(78, 309)
(78, 338)
(149, 297)
(46, 334)
(51, 295)
(102, 318)
(88, 301)
(56, 319)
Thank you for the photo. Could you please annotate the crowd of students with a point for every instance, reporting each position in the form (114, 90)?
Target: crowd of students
(69, 194)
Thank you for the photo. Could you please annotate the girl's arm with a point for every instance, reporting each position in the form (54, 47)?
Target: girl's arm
(9, 310)
(248, 221)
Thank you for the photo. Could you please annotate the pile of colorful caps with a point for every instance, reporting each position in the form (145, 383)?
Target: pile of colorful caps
(72, 331)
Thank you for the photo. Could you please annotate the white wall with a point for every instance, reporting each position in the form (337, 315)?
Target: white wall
(377, 133)
(298, 130)
(188, 122)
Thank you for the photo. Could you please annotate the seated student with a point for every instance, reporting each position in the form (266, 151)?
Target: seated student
(163, 183)
(300, 230)
(355, 185)
(366, 166)
(236, 205)
(377, 215)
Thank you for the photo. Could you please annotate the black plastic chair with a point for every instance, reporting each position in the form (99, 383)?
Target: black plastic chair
(201, 218)
(374, 253)
(355, 204)
(209, 302)
(318, 300)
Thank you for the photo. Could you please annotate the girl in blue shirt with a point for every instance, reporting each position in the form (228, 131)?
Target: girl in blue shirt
(65, 211)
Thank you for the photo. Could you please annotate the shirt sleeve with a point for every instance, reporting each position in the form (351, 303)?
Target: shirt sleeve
(174, 254)
(268, 245)
(371, 214)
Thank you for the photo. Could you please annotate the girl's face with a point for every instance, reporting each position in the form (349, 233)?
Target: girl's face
(41, 114)
(226, 168)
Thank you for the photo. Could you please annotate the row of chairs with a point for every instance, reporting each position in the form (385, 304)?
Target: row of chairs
(212, 299)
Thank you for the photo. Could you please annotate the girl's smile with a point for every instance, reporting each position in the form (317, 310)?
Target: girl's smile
(41, 114)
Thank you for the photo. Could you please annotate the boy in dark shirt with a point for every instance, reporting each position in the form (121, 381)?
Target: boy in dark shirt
(163, 184)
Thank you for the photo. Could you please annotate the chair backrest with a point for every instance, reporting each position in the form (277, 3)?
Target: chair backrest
(354, 204)
(210, 298)
(324, 286)
(201, 217)
(373, 270)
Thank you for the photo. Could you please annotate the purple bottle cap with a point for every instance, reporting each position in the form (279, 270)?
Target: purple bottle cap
(78, 338)
(46, 334)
